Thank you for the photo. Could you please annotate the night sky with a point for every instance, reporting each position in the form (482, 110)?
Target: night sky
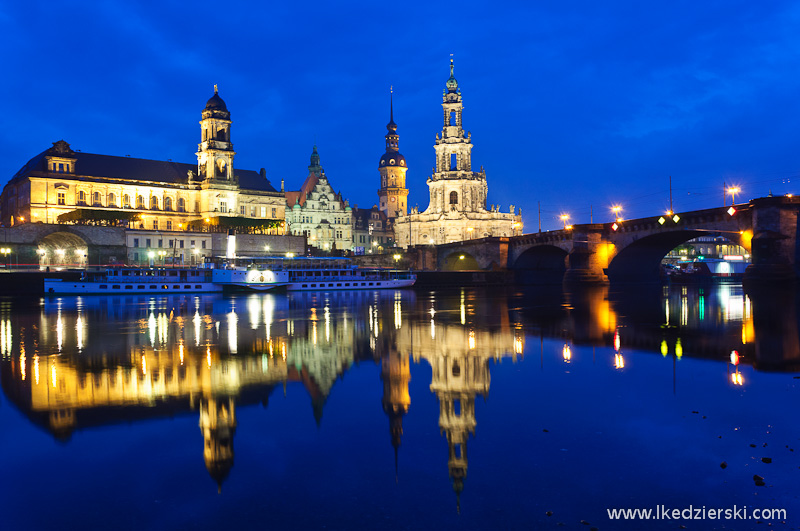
(570, 104)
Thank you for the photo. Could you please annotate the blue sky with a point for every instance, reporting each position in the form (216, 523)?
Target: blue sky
(571, 105)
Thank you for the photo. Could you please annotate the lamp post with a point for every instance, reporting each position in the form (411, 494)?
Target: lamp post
(733, 190)
(162, 254)
(151, 255)
(616, 209)
(5, 251)
(564, 218)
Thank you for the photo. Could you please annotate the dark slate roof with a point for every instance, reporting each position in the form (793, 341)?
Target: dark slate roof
(129, 168)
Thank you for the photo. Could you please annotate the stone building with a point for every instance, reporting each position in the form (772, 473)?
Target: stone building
(457, 209)
(165, 194)
(373, 230)
(319, 213)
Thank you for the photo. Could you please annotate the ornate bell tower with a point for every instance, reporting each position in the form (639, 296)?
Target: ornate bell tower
(215, 151)
(392, 167)
(454, 187)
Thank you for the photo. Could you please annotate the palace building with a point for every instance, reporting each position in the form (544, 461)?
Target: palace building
(457, 209)
(165, 194)
(318, 213)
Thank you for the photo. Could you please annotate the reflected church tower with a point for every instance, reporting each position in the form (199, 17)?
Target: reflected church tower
(218, 424)
(395, 374)
(456, 380)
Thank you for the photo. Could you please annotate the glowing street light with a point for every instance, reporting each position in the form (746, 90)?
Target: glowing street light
(733, 190)
(616, 209)
(564, 219)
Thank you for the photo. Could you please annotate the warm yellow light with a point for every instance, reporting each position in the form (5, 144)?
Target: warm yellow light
(737, 378)
(461, 257)
(616, 209)
(208, 220)
(566, 353)
(470, 229)
(619, 361)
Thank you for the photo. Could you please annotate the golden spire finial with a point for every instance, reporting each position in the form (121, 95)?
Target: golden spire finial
(215, 89)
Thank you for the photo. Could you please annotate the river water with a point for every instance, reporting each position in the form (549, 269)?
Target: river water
(473, 408)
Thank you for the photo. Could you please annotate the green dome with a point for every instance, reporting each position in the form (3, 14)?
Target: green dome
(452, 84)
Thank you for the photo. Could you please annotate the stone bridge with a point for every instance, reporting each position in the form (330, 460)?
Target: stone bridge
(632, 250)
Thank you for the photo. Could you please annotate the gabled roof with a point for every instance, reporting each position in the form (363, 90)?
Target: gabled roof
(299, 197)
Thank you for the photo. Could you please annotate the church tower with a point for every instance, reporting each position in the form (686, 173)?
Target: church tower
(218, 424)
(215, 151)
(453, 186)
(392, 167)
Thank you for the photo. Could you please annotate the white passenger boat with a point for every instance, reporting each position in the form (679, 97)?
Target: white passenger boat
(131, 280)
(307, 274)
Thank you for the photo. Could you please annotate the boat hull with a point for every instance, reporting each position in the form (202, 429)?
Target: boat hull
(61, 287)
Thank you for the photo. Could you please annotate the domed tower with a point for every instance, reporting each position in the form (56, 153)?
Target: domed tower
(392, 167)
(215, 151)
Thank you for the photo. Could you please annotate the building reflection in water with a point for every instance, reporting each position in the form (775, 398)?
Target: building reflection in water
(70, 363)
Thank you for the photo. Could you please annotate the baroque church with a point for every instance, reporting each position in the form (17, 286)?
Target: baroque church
(457, 209)
(165, 194)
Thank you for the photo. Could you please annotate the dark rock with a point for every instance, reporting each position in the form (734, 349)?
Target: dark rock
(756, 477)
(752, 446)
(584, 522)
(723, 465)
(767, 460)
(705, 417)
(549, 513)
(760, 483)
(696, 412)
(546, 431)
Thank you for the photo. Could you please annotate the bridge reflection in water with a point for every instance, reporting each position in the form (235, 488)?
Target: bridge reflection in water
(74, 363)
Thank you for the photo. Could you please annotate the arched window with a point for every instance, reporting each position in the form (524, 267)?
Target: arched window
(112, 200)
(453, 118)
(81, 197)
(139, 202)
(126, 201)
(167, 203)
(153, 203)
(181, 204)
(453, 198)
(96, 198)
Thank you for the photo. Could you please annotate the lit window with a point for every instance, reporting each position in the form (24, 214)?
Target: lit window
(62, 198)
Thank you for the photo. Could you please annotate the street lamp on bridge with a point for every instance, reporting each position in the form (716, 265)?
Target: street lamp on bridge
(733, 190)
(616, 209)
(564, 219)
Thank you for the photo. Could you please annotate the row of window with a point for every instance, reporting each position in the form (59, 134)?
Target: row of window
(178, 244)
(97, 200)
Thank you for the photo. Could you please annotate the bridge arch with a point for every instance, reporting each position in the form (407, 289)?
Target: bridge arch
(62, 249)
(640, 260)
(544, 264)
(460, 261)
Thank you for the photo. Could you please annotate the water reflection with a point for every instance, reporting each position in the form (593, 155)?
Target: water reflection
(72, 363)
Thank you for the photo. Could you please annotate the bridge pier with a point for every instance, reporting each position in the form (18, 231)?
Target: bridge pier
(585, 264)
(774, 245)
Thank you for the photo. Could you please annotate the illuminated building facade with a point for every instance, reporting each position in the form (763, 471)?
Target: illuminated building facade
(457, 209)
(165, 194)
(319, 213)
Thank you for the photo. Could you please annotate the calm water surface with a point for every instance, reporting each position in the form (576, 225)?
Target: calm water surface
(469, 409)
